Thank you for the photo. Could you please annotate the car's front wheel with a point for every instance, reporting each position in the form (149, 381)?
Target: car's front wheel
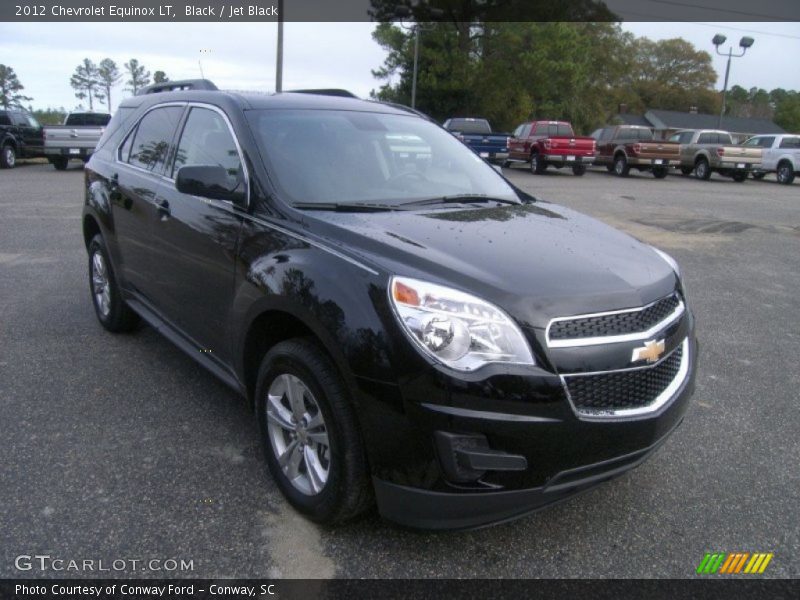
(310, 435)
(8, 157)
(109, 306)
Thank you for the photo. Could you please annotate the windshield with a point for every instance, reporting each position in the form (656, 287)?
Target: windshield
(345, 157)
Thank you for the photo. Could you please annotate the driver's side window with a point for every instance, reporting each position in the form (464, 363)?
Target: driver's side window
(206, 140)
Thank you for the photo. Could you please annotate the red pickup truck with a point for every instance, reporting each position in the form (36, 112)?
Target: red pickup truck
(550, 143)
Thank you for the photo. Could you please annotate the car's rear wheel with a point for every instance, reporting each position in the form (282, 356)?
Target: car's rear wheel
(8, 157)
(785, 173)
(60, 163)
(538, 166)
(579, 170)
(702, 170)
(309, 433)
(109, 306)
(621, 167)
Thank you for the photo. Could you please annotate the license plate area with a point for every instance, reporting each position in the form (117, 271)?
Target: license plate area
(74, 151)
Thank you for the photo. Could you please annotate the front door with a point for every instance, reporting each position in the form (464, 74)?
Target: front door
(194, 241)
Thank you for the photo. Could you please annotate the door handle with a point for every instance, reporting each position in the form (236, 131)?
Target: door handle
(162, 208)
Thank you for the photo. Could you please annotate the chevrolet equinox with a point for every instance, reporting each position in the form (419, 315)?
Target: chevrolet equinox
(410, 328)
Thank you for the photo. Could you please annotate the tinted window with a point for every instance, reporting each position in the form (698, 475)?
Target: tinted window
(707, 138)
(18, 118)
(766, 142)
(152, 137)
(725, 138)
(469, 125)
(564, 130)
(206, 140)
(4, 120)
(790, 142)
(92, 119)
(643, 134)
(368, 157)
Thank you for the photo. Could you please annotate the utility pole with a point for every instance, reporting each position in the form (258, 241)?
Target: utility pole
(279, 59)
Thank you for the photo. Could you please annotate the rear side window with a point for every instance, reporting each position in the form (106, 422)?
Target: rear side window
(91, 119)
(790, 142)
(151, 140)
(206, 140)
(4, 120)
(564, 130)
(469, 126)
(766, 142)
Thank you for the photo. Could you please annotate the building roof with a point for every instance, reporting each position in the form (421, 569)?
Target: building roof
(673, 119)
(630, 119)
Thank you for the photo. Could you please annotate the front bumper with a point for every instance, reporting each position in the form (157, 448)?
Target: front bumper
(521, 417)
(425, 509)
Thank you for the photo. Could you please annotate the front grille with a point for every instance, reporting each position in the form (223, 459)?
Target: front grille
(623, 389)
(619, 323)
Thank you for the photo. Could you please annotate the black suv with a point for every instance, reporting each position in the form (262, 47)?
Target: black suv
(21, 136)
(408, 326)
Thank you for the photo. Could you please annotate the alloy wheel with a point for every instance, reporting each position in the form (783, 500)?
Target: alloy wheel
(298, 434)
(100, 284)
(10, 157)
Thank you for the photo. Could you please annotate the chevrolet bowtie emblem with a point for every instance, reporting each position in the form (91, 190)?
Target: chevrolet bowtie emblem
(651, 352)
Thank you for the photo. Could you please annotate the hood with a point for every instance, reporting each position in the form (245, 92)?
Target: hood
(536, 261)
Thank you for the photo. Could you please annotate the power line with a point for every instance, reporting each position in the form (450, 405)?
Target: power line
(712, 25)
(723, 10)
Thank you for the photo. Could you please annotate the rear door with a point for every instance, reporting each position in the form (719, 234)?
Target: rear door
(194, 241)
(137, 184)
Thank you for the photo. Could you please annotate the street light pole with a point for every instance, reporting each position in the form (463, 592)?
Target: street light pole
(416, 62)
(279, 59)
(744, 43)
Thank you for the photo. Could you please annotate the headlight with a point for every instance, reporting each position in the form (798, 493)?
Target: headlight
(669, 260)
(455, 328)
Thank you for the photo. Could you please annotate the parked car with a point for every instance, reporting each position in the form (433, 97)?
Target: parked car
(76, 138)
(384, 315)
(707, 151)
(478, 135)
(781, 155)
(623, 147)
(20, 137)
(541, 144)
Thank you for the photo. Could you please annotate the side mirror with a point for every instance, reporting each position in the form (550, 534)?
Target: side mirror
(210, 181)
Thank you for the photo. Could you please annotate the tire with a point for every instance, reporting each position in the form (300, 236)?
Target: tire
(739, 177)
(702, 170)
(506, 165)
(660, 172)
(785, 173)
(61, 163)
(344, 490)
(579, 170)
(109, 307)
(610, 168)
(621, 167)
(538, 166)
(758, 175)
(687, 170)
(8, 157)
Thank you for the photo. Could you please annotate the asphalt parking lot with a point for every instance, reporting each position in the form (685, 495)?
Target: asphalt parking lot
(121, 447)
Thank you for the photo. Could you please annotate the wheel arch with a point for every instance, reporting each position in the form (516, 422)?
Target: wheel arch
(90, 229)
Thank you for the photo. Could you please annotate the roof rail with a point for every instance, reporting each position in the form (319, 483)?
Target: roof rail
(177, 86)
(326, 92)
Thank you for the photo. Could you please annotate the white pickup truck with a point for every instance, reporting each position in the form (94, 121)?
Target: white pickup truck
(76, 138)
(781, 155)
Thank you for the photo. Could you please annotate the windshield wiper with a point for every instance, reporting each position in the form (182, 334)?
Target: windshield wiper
(458, 199)
(344, 206)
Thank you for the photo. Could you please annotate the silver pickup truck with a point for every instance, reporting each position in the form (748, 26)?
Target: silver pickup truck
(705, 151)
(76, 138)
(781, 156)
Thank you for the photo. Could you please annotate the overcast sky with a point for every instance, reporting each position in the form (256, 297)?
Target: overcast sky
(242, 55)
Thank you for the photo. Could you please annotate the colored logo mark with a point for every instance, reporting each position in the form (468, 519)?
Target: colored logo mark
(732, 563)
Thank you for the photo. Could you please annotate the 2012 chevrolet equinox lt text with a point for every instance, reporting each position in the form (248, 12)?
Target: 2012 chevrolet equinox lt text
(410, 328)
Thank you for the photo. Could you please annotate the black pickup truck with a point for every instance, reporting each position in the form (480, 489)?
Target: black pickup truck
(21, 136)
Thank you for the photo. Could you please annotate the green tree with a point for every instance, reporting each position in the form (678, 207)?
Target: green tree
(86, 82)
(10, 88)
(50, 116)
(160, 77)
(787, 110)
(108, 75)
(139, 77)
